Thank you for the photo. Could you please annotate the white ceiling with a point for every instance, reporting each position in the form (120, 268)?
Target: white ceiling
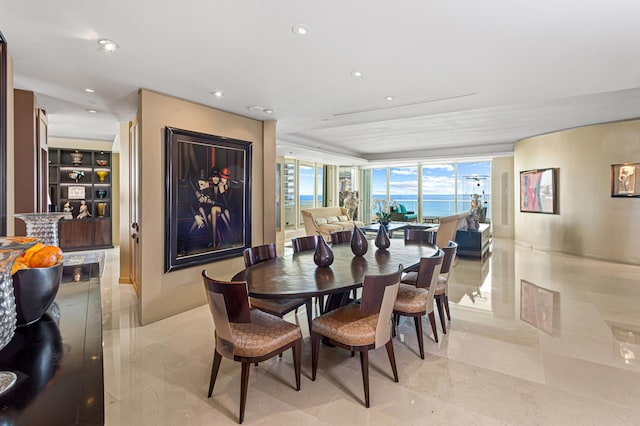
(468, 78)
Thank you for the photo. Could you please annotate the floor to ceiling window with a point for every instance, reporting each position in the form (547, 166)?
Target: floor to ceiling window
(302, 187)
(403, 187)
(474, 184)
(438, 190)
(306, 189)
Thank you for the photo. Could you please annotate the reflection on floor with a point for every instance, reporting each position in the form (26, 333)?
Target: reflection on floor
(561, 347)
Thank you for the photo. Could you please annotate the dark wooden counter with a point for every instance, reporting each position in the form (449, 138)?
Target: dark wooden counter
(58, 359)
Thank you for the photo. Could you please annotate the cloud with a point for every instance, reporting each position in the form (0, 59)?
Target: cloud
(406, 171)
(447, 167)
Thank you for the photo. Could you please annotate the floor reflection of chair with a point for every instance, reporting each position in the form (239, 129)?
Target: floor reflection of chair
(442, 286)
(245, 335)
(416, 297)
(361, 327)
(278, 307)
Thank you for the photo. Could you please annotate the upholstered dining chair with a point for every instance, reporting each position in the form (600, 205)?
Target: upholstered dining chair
(340, 237)
(246, 335)
(442, 286)
(417, 300)
(277, 307)
(361, 327)
(419, 235)
(310, 242)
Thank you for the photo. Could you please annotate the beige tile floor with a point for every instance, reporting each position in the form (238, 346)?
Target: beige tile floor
(579, 364)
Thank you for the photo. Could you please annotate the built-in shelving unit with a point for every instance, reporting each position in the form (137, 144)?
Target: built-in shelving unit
(77, 176)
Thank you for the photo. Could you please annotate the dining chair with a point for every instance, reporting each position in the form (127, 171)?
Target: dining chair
(418, 235)
(361, 327)
(417, 300)
(310, 242)
(442, 285)
(246, 335)
(278, 307)
(340, 237)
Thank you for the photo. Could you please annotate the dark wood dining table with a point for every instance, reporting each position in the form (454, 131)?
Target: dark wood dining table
(297, 276)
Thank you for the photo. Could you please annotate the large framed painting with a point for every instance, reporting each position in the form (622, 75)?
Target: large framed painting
(624, 180)
(538, 191)
(208, 198)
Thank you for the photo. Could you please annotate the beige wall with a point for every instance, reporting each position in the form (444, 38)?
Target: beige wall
(123, 203)
(502, 195)
(165, 294)
(590, 222)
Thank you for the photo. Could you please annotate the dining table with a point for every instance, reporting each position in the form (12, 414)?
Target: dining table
(297, 276)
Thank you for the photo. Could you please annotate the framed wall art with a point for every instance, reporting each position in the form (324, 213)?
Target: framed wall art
(538, 191)
(208, 198)
(624, 180)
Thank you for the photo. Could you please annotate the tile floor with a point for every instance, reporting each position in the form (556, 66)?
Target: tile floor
(562, 348)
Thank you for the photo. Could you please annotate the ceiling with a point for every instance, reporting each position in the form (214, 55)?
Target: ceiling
(467, 78)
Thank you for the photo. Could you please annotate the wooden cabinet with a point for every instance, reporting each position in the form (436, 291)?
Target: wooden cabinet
(80, 180)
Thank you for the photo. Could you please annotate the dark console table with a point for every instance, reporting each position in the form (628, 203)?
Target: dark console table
(58, 359)
(474, 243)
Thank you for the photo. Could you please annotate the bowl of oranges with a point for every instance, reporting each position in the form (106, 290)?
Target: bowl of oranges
(36, 279)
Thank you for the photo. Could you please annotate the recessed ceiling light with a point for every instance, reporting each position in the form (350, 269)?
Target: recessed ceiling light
(91, 111)
(217, 93)
(256, 109)
(108, 45)
(268, 111)
(88, 90)
(388, 98)
(357, 73)
(300, 29)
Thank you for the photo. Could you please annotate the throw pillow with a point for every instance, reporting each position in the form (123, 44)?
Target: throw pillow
(343, 218)
(332, 219)
(321, 221)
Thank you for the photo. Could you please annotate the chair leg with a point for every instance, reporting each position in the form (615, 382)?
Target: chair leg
(432, 320)
(446, 306)
(441, 314)
(418, 323)
(309, 307)
(364, 365)
(214, 370)
(392, 360)
(244, 385)
(297, 360)
(315, 351)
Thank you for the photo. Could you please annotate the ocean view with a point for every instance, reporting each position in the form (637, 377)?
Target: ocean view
(432, 205)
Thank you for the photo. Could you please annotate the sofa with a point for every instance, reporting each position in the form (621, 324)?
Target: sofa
(400, 214)
(326, 220)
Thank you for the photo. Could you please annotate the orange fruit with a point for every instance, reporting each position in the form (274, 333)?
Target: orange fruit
(52, 250)
(17, 266)
(43, 259)
(31, 251)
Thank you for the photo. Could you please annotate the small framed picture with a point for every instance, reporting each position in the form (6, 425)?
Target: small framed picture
(76, 193)
(624, 180)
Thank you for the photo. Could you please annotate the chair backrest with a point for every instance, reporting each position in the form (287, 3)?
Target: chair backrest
(428, 273)
(449, 256)
(257, 254)
(378, 296)
(341, 237)
(309, 242)
(429, 269)
(448, 227)
(418, 235)
(228, 302)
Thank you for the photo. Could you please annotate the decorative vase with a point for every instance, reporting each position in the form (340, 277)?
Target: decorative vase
(43, 226)
(76, 158)
(323, 255)
(101, 208)
(102, 174)
(35, 289)
(101, 162)
(382, 239)
(101, 193)
(10, 249)
(359, 243)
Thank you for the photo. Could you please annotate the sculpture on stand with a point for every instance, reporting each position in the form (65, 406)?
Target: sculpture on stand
(84, 210)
